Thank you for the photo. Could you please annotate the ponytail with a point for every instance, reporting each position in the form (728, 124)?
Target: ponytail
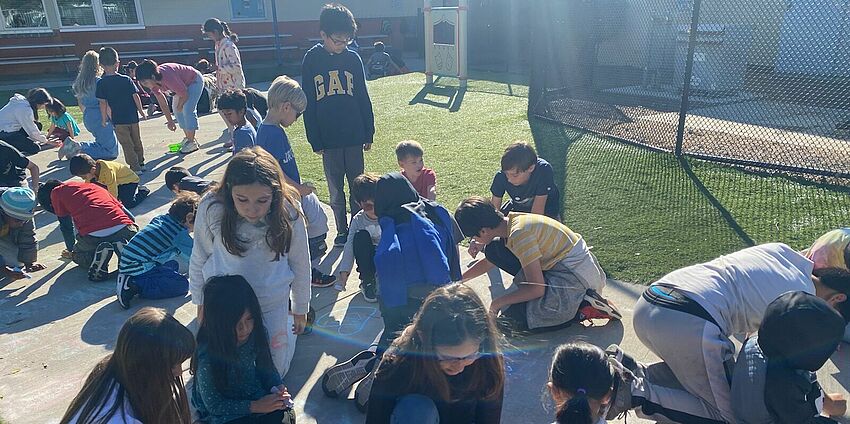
(581, 370)
(226, 32)
(575, 411)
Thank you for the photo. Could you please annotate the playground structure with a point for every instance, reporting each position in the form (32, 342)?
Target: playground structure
(446, 41)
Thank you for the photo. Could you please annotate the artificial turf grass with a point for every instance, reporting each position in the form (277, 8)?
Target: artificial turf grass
(645, 213)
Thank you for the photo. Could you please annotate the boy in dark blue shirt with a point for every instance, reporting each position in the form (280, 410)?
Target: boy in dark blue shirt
(338, 119)
(233, 105)
(120, 94)
(286, 103)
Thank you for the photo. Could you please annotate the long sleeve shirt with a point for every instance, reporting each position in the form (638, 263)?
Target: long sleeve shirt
(272, 280)
(228, 73)
(339, 111)
(18, 114)
(157, 243)
(245, 383)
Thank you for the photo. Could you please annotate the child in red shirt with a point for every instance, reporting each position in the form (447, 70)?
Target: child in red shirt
(409, 154)
(103, 225)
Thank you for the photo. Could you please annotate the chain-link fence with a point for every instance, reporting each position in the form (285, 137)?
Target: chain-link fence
(759, 84)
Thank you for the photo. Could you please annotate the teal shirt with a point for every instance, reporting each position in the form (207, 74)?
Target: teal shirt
(245, 384)
(62, 122)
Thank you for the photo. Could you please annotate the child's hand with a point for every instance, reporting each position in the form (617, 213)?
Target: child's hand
(300, 324)
(304, 190)
(268, 404)
(103, 122)
(834, 404)
(474, 248)
(142, 115)
(367, 147)
(171, 126)
(283, 392)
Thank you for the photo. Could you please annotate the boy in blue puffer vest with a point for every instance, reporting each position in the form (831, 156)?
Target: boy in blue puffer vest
(416, 254)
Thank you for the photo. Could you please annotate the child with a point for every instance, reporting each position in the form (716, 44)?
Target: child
(257, 101)
(13, 165)
(416, 254)
(228, 69)
(144, 92)
(19, 124)
(235, 377)
(141, 381)
(775, 378)
(103, 225)
(147, 266)
(364, 235)
(832, 250)
(187, 85)
(250, 225)
(409, 154)
(687, 318)
(380, 64)
(286, 103)
(529, 182)
(16, 224)
(120, 104)
(179, 179)
(118, 178)
(445, 367)
(338, 119)
(105, 145)
(232, 106)
(62, 124)
(558, 279)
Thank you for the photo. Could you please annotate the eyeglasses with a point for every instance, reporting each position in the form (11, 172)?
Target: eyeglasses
(343, 42)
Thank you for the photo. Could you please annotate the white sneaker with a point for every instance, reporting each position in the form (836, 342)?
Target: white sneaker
(189, 146)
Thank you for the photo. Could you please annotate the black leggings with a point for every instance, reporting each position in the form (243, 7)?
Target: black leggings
(20, 140)
(364, 255)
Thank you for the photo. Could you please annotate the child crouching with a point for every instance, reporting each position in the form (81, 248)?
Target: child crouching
(148, 267)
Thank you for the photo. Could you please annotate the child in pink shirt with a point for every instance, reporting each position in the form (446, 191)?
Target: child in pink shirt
(187, 85)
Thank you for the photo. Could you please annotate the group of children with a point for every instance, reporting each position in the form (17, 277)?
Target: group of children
(254, 240)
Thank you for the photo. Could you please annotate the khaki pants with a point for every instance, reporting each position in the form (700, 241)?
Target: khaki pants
(131, 143)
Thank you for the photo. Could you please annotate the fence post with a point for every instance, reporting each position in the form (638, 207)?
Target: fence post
(689, 70)
(277, 52)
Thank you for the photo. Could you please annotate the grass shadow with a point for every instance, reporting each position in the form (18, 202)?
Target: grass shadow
(454, 97)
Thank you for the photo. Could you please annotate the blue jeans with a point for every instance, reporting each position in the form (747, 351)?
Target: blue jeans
(188, 117)
(162, 282)
(415, 409)
(105, 145)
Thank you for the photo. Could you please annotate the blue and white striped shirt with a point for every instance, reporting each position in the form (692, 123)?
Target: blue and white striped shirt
(160, 241)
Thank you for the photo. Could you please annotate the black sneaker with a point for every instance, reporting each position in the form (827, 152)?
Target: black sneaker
(369, 290)
(321, 280)
(99, 268)
(126, 290)
(340, 377)
(340, 239)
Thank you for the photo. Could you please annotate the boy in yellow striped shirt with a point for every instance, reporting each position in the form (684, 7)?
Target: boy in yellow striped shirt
(121, 181)
(558, 280)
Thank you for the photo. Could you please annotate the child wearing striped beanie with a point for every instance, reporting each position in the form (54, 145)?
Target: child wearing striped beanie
(16, 226)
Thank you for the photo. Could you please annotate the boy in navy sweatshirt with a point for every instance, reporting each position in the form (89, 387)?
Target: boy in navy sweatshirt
(339, 120)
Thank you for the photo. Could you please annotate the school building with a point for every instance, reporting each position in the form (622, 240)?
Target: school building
(50, 36)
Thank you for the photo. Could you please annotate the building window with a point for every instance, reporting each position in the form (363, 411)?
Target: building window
(248, 9)
(98, 13)
(22, 15)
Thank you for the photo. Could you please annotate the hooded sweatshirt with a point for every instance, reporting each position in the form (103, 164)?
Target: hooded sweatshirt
(774, 379)
(418, 245)
(18, 114)
(339, 111)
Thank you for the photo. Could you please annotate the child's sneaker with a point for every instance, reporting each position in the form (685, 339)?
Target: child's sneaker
(142, 193)
(99, 268)
(363, 390)
(340, 239)
(189, 146)
(340, 377)
(369, 290)
(126, 290)
(595, 306)
(321, 280)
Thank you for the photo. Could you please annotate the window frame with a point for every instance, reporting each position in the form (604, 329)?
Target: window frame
(100, 19)
(27, 30)
(265, 18)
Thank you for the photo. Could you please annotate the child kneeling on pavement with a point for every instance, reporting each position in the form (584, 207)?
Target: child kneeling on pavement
(148, 267)
(103, 226)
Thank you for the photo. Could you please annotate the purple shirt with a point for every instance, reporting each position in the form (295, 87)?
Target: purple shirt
(177, 78)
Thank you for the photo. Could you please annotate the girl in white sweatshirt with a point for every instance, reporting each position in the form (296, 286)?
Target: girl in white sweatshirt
(251, 225)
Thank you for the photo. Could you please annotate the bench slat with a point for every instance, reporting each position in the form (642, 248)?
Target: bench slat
(42, 46)
(133, 42)
(38, 59)
(162, 53)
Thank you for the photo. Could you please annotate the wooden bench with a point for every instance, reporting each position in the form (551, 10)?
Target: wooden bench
(60, 55)
(179, 51)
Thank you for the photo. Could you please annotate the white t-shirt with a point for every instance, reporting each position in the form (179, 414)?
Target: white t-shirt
(121, 416)
(736, 289)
